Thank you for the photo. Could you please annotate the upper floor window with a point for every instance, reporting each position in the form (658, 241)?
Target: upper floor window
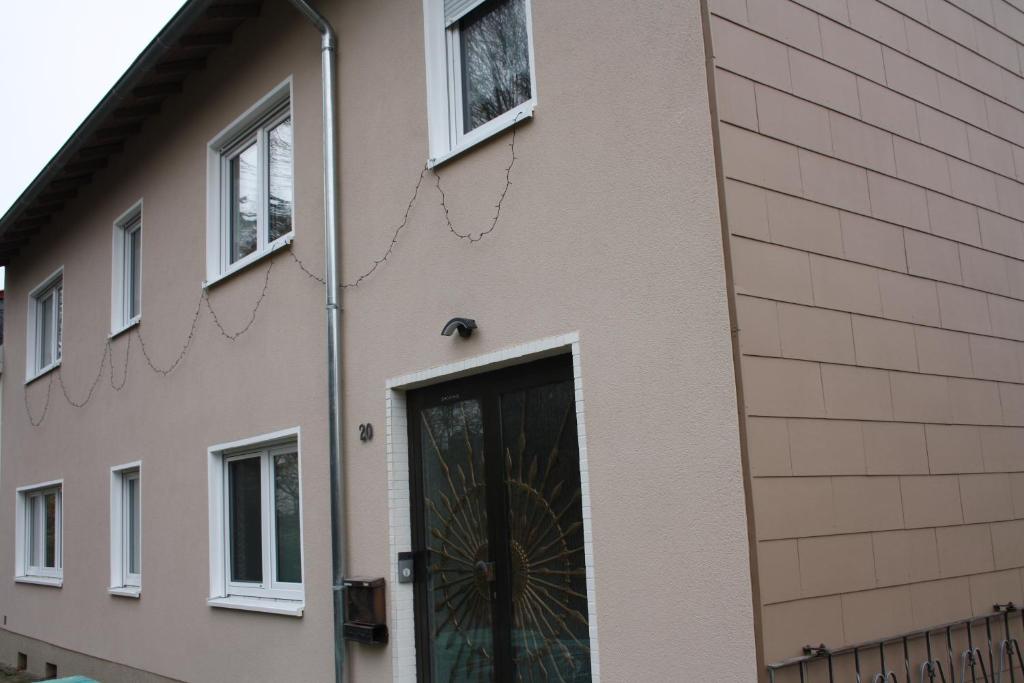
(45, 323)
(480, 72)
(251, 191)
(126, 284)
(38, 553)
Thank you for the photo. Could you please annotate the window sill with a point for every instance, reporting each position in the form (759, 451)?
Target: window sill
(487, 131)
(121, 330)
(291, 608)
(249, 260)
(52, 581)
(126, 591)
(42, 373)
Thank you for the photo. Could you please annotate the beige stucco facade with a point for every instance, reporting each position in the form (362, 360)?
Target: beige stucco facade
(872, 164)
(610, 232)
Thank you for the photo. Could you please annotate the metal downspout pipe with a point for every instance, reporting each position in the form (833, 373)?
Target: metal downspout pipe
(333, 289)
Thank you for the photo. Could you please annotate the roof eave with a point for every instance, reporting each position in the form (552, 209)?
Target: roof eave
(165, 40)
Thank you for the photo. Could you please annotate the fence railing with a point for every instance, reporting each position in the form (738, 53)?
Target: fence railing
(980, 649)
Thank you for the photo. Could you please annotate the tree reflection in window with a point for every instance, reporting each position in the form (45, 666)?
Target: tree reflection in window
(495, 61)
(244, 203)
(286, 518)
(280, 143)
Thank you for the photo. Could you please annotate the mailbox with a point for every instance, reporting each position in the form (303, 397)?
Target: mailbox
(365, 613)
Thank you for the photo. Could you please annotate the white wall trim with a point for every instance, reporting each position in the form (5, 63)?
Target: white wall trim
(279, 94)
(288, 608)
(44, 485)
(445, 138)
(21, 574)
(215, 211)
(289, 434)
(53, 582)
(117, 578)
(119, 321)
(219, 593)
(403, 631)
(31, 372)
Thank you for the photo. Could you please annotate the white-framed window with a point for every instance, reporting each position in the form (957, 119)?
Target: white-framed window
(39, 533)
(126, 529)
(45, 326)
(256, 557)
(126, 278)
(480, 71)
(250, 190)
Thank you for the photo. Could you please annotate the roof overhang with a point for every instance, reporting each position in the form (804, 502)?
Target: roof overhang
(159, 72)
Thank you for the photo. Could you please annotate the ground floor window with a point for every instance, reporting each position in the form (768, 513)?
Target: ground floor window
(126, 529)
(39, 541)
(256, 525)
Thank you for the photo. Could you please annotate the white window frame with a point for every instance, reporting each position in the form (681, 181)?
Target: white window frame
(270, 596)
(122, 581)
(444, 88)
(33, 369)
(269, 111)
(120, 283)
(24, 571)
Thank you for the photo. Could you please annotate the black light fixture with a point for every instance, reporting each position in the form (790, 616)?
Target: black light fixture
(464, 326)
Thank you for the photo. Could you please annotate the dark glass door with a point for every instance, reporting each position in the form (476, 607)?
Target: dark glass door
(498, 528)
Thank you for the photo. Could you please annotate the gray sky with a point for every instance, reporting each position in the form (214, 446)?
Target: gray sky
(57, 59)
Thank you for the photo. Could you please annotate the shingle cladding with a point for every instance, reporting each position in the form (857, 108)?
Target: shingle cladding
(873, 155)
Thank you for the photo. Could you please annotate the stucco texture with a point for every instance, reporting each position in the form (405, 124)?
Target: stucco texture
(610, 229)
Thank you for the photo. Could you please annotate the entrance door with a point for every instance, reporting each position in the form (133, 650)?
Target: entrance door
(498, 528)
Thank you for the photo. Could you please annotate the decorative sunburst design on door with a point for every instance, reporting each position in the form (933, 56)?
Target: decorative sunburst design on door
(546, 559)
(457, 543)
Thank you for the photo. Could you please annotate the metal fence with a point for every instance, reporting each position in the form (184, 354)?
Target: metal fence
(981, 649)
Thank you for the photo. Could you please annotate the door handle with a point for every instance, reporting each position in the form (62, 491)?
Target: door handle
(485, 570)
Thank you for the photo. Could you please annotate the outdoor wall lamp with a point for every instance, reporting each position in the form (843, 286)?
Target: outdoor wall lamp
(464, 326)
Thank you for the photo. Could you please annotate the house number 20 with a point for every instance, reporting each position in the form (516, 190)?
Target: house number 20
(366, 432)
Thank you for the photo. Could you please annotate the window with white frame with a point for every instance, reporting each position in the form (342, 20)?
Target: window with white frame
(45, 323)
(480, 71)
(39, 550)
(255, 522)
(126, 529)
(126, 284)
(251, 190)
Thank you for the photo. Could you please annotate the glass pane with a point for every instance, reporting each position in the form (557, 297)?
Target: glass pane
(244, 203)
(550, 630)
(280, 141)
(459, 602)
(60, 320)
(50, 501)
(495, 61)
(35, 517)
(286, 518)
(134, 272)
(134, 526)
(245, 526)
(45, 333)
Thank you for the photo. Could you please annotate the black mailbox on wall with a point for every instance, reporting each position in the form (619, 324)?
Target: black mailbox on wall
(365, 613)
